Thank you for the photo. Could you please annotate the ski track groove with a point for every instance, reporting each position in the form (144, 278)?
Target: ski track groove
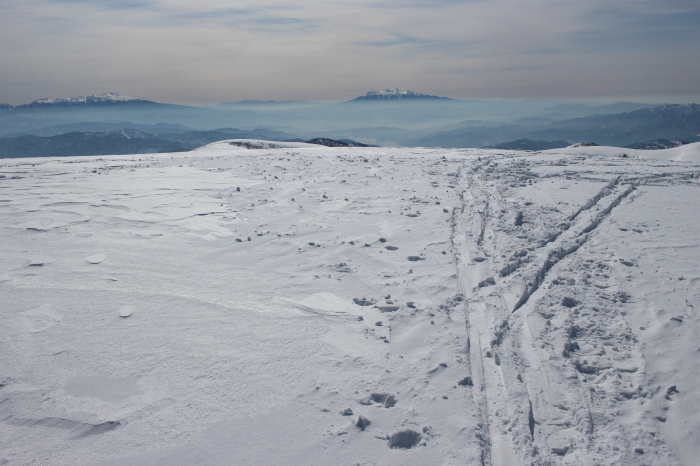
(557, 255)
(501, 450)
(481, 404)
(489, 386)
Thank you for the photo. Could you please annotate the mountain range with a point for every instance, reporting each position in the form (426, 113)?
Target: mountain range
(123, 141)
(677, 121)
(106, 99)
(391, 117)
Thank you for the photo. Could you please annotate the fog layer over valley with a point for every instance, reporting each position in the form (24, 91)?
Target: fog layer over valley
(263, 302)
(385, 118)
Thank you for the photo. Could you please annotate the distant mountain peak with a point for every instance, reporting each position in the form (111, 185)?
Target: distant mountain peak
(108, 98)
(396, 94)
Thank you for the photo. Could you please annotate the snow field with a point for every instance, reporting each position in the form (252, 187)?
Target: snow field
(246, 304)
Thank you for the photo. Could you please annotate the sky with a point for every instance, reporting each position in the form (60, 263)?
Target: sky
(212, 51)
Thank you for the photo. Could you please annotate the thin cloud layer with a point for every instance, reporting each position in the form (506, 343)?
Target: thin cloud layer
(179, 51)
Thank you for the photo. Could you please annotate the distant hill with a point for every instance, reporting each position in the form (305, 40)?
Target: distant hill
(336, 143)
(529, 144)
(127, 141)
(396, 94)
(571, 110)
(98, 127)
(676, 122)
(655, 144)
(473, 136)
(194, 139)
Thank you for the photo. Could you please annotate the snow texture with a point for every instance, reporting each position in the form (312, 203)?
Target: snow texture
(254, 304)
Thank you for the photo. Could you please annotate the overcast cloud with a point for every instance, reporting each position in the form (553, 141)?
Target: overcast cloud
(213, 51)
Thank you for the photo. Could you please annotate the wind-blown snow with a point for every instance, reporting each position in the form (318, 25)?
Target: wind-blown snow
(277, 303)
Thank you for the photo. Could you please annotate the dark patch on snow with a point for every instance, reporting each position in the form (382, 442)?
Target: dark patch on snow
(519, 219)
(388, 308)
(404, 439)
(466, 382)
(487, 282)
(389, 401)
(363, 423)
(569, 302)
(531, 421)
(363, 301)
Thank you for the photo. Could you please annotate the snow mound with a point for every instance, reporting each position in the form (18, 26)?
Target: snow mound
(684, 153)
(252, 144)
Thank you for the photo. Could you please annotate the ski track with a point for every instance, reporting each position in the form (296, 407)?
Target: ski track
(494, 303)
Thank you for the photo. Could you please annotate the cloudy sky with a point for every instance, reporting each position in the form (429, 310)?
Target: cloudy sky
(210, 51)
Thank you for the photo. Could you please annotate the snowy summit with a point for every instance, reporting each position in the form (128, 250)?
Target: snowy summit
(396, 94)
(108, 98)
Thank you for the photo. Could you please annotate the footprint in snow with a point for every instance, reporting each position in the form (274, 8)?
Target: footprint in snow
(96, 258)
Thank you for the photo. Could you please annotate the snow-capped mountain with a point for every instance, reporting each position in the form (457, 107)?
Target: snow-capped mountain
(108, 98)
(396, 94)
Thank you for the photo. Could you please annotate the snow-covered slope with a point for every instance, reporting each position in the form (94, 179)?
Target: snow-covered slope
(684, 153)
(228, 145)
(253, 306)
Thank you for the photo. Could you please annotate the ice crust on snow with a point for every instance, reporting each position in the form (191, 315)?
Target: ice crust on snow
(261, 302)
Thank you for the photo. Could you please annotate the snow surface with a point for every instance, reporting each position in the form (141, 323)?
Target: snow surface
(236, 306)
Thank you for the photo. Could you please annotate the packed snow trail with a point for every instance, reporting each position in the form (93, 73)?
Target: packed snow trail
(260, 304)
